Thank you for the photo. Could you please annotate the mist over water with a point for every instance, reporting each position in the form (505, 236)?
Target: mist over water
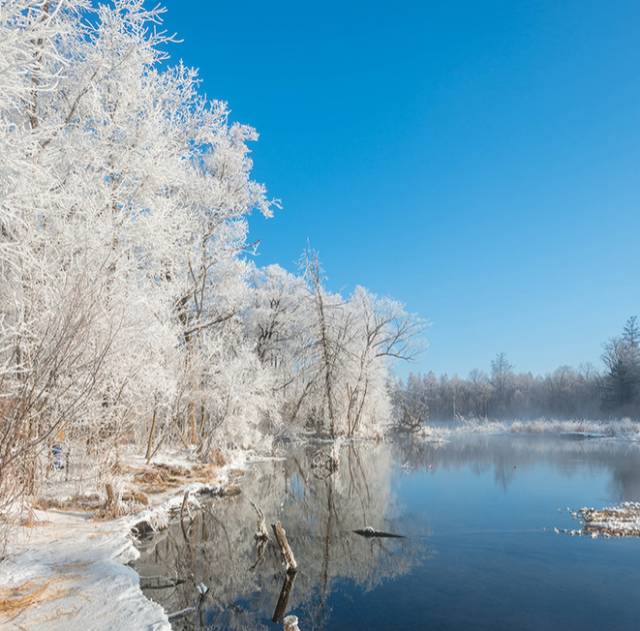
(478, 512)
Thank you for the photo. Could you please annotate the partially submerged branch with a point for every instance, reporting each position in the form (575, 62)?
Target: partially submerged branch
(371, 532)
(184, 508)
(283, 599)
(262, 534)
(287, 554)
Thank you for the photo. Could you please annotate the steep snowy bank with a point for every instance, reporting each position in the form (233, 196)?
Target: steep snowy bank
(68, 571)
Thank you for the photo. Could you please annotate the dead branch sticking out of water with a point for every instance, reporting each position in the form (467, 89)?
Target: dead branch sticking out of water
(287, 554)
(261, 549)
(283, 600)
(203, 590)
(185, 506)
(180, 614)
(370, 532)
(262, 534)
(159, 582)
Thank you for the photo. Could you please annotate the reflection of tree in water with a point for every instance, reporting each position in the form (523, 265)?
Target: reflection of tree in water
(319, 510)
(506, 455)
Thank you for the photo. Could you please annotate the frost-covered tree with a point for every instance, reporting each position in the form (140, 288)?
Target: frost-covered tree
(130, 311)
(410, 403)
(502, 382)
(124, 194)
(329, 355)
(622, 360)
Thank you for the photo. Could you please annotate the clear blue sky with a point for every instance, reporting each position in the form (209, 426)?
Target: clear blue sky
(479, 161)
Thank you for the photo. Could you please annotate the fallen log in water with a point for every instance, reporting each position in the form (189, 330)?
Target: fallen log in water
(370, 532)
(155, 582)
(181, 613)
(287, 554)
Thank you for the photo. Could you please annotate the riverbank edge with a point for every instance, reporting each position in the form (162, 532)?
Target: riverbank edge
(71, 571)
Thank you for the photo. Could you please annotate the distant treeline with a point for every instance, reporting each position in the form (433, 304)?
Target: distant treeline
(613, 391)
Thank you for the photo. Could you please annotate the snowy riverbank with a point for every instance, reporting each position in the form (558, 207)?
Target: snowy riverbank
(68, 570)
(625, 429)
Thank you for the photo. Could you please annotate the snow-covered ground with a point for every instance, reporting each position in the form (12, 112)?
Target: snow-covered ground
(67, 570)
(625, 428)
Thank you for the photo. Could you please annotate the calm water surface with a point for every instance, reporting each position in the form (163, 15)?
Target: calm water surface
(480, 551)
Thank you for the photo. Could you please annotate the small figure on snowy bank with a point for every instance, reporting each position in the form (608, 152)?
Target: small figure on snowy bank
(56, 450)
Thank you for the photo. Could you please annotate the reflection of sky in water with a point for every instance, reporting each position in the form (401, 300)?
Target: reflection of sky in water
(481, 553)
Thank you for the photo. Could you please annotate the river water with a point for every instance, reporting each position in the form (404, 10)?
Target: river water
(479, 550)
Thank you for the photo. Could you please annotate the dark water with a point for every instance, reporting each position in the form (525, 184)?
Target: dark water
(480, 552)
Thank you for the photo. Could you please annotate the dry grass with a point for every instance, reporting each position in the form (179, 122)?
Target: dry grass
(135, 496)
(30, 522)
(216, 457)
(204, 472)
(14, 600)
(231, 490)
(154, 479)
(159, 479)
(617, 521)
(140, 483)
(163, 477)
(87, 503)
